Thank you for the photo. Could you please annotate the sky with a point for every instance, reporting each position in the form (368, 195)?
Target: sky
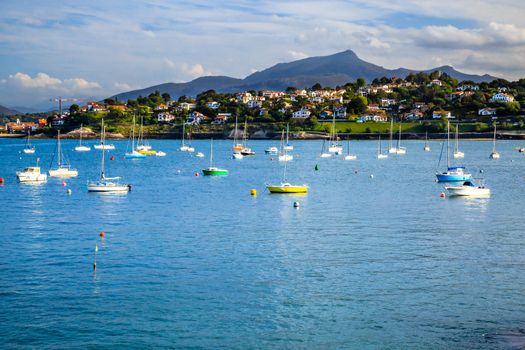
(94, 49)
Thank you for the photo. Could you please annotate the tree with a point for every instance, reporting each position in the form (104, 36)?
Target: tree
(74, 108)
(317, 87)
(290, 89)
(358, 105)
(166, 97)
(360, 82)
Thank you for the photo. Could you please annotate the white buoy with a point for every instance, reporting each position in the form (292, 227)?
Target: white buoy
(69, 191)
(296, 204)
(371, 176)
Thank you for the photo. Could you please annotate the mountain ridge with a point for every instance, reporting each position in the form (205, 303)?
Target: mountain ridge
(332, 70)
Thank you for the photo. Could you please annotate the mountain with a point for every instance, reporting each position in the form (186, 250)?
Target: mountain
(332, 70)
(6, 112)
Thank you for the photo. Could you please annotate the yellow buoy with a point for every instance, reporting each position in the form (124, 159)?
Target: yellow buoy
(253, 192)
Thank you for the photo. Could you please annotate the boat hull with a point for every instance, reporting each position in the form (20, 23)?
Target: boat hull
(215, 172)
(287, 189)
(108, 188)
(468, 191)
(29, 150)
(285, 157)
(147, 152)
(453, 177)
(135, 155)
(23, 178)
(63, 172)
(104, 147)
(82, 149)
(494, 155)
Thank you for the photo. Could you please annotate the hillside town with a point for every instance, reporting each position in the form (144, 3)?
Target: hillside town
(419, 98)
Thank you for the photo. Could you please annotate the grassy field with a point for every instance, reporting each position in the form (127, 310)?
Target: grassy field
(372, 127)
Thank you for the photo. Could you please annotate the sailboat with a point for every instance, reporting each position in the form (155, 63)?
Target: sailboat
(144, 147)
(399, 149)
(380, 154)
(237, 147)
(325, 154)
(455, 173)
(494, 154)
(102, 145)
(185, 147)
(81, 147)
(106, 184)
(391, 148)
(286, 187)
(348, 155)
(29, 149)
(63, 168)
(334, 146)
(426, 147)
(134, 154)
(246, 151)
(283, 155)
(457, 152)
(211, 170)
(287, 146)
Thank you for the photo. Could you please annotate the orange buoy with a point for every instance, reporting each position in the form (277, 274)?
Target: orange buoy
(102, 234)
(442, 195)
(112, 158)
(1, 180)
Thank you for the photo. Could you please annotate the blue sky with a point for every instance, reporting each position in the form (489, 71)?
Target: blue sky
(98, 48)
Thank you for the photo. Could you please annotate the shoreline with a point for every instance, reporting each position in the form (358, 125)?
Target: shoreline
(302, 135)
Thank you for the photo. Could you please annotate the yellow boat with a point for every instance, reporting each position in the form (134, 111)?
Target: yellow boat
(148, 152)
(287, 188)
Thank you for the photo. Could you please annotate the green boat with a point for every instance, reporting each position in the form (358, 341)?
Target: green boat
(211, 170)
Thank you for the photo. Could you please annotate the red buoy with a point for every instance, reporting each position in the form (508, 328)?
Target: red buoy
(442, 195)
(64, 184)
(112, 158)
(1, 180)
(196, 173)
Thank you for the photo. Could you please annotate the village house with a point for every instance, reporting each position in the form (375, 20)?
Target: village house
(95, 107)
(325, 114)
(221, 118)
(195, 118)
(467, 88)
(186, 106)
(213, 105)
(20, 127)
(161, 107)
(373, 117)
(414, 115)
(57, 121)
(263, 112)
(440, 114)
(502, 97)
(254, 104)
(272, 94)
(340, 112)
(436, 82)
(303, 113)
(244, 97)
(456, 95)
(373, 107)
(387, 102)
(165, 117)
(487, 112)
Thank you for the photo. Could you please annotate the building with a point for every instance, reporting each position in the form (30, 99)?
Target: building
(414, 115)
(221, 118)
(254, 104)
(95, 107)
(18, 127)
(387, 102)
(325, 114)
(213, 105)
(263, 112)
(440, 114)
(487, 112)
(373, 117)
(244, 97)
(467, 88)
(57, 121)
(340, 112)
(502, 98)
(373, 107)
(186, 106)
(436, 82)
(195, 118)
(161, 107)
(303, 113)
(165, 117)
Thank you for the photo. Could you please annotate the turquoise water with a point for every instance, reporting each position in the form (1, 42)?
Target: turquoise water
(196, 262)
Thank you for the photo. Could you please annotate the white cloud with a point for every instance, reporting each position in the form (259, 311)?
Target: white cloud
(121, 86)
(296, 55)
(195, 70)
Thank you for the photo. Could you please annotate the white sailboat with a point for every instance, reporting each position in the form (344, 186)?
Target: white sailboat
(29, 149)
(134, 154)
(325, 154)
(106, 184)
(457, 153)
(103, 145)
(348, 155)
(334, 146)
(246, 151)
(283, 155)
(185, 147)
(453, 173)
(426, 147)
(391, 148)
(380, 154)
(63, 168)
(494, 154)
(287, 146)
(399, 149)
(81, 147)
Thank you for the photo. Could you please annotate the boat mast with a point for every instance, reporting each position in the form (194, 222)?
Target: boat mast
(287, 130)
(456, 147)
(399, 140)
(391, 131)
(244, 133)
(58, 149)
(448, 143)
(211, 153)
(494, 141)
(183, 124)
(80, 142)
(379, 146)
(102, 137)
(333, 136)
(284, 172)
(235, 133)
(133, 135)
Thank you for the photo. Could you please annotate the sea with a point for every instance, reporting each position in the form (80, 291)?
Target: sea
(371, 258)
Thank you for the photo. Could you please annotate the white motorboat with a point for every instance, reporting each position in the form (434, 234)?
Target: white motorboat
(237, 155)
(199, 155)
(31, 175)
(468, 189)
(81, 147)
(271, 150)
(105, 147)
(285, 157)
(63, 168)
(106, 184)
(160, 154)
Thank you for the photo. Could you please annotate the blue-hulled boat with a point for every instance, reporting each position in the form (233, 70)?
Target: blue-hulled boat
(453, 173)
